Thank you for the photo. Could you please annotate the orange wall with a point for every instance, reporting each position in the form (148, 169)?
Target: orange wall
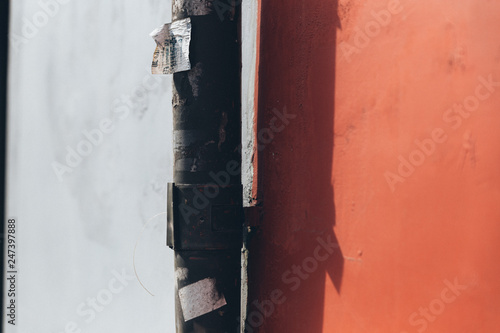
(360, 104)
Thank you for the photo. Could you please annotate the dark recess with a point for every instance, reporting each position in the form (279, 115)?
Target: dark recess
(4, 49)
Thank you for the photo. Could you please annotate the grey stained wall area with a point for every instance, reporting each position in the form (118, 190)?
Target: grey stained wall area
(89, 156)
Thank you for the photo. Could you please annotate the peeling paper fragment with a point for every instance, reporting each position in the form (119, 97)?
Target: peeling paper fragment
(172, 47)
(200, 298)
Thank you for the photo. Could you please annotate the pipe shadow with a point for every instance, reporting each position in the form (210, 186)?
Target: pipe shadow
(293, 252)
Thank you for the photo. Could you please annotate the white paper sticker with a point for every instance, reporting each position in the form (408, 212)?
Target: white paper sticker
(172, 47)
(200, 298)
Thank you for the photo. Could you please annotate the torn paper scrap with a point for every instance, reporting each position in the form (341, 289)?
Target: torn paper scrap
(172, 47)
(200, 298)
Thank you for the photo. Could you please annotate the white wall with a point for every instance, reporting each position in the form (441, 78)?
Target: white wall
(88, 62)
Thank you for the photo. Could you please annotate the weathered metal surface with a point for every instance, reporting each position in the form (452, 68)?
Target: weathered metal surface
(204, 217)
(222, 269)
(206, 103)
(205, 214)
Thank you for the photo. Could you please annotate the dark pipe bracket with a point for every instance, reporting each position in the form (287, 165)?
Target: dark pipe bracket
(204, 217)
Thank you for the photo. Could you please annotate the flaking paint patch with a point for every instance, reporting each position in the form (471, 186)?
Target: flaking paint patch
(194, 76)
(191, 8)
(181, 273)
(200, 298)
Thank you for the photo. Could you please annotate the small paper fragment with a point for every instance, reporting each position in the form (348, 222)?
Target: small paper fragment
(172, 47)
(200, 298)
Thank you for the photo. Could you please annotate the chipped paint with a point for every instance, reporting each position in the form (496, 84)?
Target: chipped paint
(222, 130)
(182, 8)
(194, 76)
(181, 273)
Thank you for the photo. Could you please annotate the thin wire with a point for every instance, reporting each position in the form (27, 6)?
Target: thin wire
(135, 248)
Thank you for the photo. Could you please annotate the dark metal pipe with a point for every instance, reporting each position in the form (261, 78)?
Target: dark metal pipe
(205, 214)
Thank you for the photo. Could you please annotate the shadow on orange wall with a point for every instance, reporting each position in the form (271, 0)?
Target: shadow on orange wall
(295, 248)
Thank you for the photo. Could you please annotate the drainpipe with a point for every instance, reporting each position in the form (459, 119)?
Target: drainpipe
(205, 211)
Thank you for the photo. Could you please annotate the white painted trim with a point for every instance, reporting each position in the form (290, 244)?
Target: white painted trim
(249, 29)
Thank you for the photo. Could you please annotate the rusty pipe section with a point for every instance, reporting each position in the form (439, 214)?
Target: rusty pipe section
(205, 213)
